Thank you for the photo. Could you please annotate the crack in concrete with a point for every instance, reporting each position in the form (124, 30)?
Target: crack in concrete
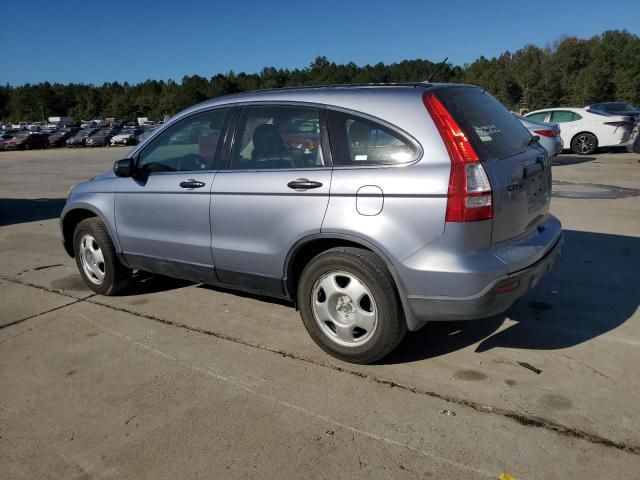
(525, 420)
(16, 322)
(44, 267)
(26, 283)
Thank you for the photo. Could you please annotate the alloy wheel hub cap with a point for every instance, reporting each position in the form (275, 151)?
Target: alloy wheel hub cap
(346, 308)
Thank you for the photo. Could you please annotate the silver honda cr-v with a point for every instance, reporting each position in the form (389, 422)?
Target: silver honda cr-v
(375, 208)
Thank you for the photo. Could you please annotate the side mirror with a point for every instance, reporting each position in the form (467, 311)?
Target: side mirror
(125, 167)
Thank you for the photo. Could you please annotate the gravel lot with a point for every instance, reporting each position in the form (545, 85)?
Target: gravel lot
(177, 380)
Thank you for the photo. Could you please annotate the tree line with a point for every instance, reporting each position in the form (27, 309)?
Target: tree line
(570, 72)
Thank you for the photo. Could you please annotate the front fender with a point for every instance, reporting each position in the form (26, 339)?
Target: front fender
(99, 204)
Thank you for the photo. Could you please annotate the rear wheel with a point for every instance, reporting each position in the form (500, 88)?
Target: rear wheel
(349, 305)
(584, 144)
(97, 260)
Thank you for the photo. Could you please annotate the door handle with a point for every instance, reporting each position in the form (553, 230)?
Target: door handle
(303, 184)
(191, 183)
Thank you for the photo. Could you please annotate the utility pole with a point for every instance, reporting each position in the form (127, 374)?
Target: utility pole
(42, 112)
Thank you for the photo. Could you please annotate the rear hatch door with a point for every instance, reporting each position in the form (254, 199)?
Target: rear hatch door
(518, 167)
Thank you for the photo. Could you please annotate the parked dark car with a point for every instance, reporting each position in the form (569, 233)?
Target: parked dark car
(80, 138)
(127, 136)
(59, 138)
(25, 141)
(99, 139)
(4, 137)
(614, 108)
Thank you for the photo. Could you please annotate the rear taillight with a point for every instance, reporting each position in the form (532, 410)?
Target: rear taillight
(545, 133)
(621, 123)
(470, 197)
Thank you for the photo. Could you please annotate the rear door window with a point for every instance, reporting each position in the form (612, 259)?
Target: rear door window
(562, 116)
(537, 117)
(358, 141)
(492, 130)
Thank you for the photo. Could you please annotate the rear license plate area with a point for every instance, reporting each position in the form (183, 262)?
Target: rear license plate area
(537, 191)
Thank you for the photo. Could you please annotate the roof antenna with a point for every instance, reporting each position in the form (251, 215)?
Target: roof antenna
(436, 70)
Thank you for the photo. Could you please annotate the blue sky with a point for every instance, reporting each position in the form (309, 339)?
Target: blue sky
(109, 40)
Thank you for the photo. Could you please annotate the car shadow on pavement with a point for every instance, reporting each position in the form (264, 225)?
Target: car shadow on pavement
(593, 290)
(23, 210)
(561, 160)
(252, 296)
(146, 283)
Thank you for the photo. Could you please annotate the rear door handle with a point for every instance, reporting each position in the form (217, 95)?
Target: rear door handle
(191, 183)
(303, 184)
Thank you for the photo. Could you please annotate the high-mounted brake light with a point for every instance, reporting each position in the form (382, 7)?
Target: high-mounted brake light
(545, 133)
(470, 197)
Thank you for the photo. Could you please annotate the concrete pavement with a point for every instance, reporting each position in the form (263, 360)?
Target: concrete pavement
(181, 380)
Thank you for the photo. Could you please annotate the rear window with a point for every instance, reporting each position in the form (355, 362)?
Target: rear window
(492, 130)
(561, 116)
(537, 117)
(358, 141)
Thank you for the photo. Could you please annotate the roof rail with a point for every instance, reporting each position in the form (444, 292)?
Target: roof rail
(338, 85)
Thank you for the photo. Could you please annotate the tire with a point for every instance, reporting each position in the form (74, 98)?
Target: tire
(584, 143)
(362, 330)
(97, 260)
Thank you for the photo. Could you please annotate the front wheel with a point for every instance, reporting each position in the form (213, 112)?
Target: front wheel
(97, 260)
(584, 144)
(349, 305)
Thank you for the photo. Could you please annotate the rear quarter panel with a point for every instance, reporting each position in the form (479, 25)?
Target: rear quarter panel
(412, 206)
(413, 196)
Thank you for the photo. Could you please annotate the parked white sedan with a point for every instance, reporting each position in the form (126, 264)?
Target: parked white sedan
(584, 131)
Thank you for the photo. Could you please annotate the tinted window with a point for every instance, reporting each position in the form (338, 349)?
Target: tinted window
(190, 144)
(561, 116)
(537, 117)
(613, 107)
(493, 131)
(358, 141)
(277, 137)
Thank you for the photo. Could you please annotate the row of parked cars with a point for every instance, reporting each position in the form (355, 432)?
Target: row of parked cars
(583, 130)
(16, 139)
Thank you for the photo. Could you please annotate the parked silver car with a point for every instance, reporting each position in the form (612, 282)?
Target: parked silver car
(375, 209)
(548, 134)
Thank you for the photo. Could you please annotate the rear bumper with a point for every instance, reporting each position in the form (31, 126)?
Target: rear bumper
(490, 301)
(454, 281)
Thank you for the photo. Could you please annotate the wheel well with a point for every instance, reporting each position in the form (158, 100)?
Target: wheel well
(303, 255)
(580, 133)
(71, 220)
